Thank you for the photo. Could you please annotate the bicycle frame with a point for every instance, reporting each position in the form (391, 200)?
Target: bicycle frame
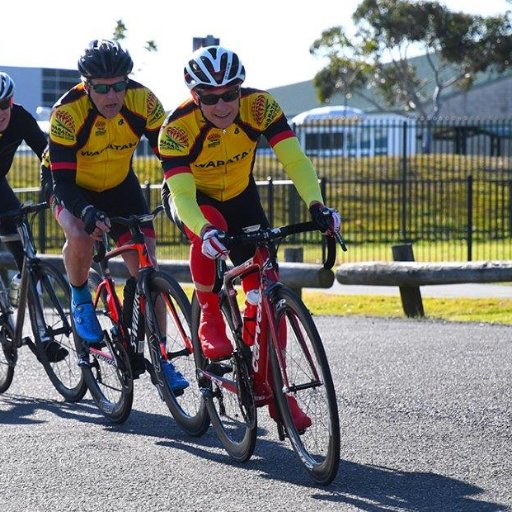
(30, 261)
(146, 267)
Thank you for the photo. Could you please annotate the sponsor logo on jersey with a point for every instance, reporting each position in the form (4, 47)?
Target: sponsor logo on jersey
(213, 140)
(63, 125)
(155, 109)
(100, 127)
(174, 138)
(221, 163)
(115, 147)
(264, 110)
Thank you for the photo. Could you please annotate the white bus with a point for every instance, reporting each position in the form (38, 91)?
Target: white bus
(344, 131)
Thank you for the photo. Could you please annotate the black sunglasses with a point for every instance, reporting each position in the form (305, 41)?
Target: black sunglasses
(4, 105)
(104, 88)
(213, 99)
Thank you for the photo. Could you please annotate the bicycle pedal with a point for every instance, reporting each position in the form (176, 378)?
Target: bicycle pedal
(24, 341)
(83, 361)
(219, 369)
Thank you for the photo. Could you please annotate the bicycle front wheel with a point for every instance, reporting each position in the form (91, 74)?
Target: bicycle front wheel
(303, 375)
(231, 407)
(8, 349)
(107, 370)
(49, 308)
(168, 332)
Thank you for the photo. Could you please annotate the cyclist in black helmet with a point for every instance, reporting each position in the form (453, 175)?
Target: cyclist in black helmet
(94, 130)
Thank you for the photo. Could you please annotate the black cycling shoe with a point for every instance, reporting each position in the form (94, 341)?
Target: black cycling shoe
(55, 352)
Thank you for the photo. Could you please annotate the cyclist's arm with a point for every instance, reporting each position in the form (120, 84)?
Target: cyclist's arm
(182, 187)
(300, 169)
(63, 148)
(155, 118)
(34, 136)
(63, 168)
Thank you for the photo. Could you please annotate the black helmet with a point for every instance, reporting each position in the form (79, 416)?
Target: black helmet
(213, 66)
(104, 59)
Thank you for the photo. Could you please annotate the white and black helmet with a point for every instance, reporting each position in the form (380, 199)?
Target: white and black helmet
(213, 66)
(6, 86)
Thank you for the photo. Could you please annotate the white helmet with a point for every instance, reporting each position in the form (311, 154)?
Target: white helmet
(213, 66)
(6, 86)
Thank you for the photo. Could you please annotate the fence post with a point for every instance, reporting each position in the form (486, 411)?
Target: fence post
(294, 255)
(270, 188)
(147, 193)
(469, 228)
(42, 225)
(410, 295)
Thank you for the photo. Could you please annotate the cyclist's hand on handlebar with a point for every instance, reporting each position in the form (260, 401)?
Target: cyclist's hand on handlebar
(327, 220)
(212, 247)
(95, 222)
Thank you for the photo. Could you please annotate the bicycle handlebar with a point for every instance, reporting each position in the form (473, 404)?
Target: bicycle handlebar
(266, 235)
(25, 209)
(133, 222)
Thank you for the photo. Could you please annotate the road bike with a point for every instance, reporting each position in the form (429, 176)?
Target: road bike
(154, 306)
(287, 356)
(46, 294)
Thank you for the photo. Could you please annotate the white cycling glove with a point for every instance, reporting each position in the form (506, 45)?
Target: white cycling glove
(212, 247)
(327, 219)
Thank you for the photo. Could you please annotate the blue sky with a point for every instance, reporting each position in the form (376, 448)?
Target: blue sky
(271, 36)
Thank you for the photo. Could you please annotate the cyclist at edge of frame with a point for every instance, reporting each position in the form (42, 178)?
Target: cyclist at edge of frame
(207, 147)
(18, 125)
(94, 130)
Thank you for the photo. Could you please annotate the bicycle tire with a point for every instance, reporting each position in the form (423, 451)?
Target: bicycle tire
(188, 407)
(233, 416)
(8, 350)
(107, 371)
(49, 310)
(310, 383)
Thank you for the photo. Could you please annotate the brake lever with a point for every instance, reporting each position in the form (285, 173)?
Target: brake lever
(339, 239)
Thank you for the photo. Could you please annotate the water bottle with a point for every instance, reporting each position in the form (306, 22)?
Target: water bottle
(14, 290)
(249, 317)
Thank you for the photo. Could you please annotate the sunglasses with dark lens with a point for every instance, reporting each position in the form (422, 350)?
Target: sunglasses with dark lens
(213, 99)
(104, 88)
(4, 105)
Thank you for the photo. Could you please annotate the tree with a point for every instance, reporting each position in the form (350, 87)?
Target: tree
(120, 35)
(375, 64)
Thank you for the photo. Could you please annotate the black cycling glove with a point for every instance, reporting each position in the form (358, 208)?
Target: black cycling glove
(90, 216)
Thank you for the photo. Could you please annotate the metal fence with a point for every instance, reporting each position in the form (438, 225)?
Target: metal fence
(446, 187)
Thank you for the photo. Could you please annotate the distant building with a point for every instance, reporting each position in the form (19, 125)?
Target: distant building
(40, 87)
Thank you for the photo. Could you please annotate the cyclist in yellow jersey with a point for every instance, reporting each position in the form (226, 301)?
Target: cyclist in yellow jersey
(207, 148)
(94, 130)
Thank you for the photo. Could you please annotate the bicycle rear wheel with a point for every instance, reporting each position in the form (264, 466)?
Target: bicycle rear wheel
(107, 370)
(49, 310)
(170, 340)
(8, 349)
(232, 413)
(306, 377)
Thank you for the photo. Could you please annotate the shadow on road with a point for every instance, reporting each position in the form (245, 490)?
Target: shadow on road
(377, 488)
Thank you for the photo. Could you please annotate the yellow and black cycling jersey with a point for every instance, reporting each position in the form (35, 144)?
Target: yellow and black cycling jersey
(196, 155)
(93, 152)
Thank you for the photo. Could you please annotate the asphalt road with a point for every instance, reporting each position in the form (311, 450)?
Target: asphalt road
(426, 418)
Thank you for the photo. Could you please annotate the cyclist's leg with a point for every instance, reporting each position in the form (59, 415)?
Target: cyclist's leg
(212, 328)
(77, 254)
